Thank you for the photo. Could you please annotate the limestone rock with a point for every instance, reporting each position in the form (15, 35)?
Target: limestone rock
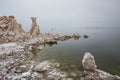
(8, 23)
(9, 29)
(34, 28)
(37, 76)
(88, 62)
(9, 52)
(43, 66)
(91, 71)
(76, 35)
(57, 65)
(99, 75)
(69, 79)
(55, 74)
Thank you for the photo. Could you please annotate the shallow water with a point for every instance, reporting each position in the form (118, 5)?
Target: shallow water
(104, 44)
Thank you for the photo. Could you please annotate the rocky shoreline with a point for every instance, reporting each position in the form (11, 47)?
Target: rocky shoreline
(16, 54)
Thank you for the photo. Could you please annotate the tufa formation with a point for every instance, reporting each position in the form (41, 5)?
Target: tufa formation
(11, 30)
(9, 24)
(34, 28)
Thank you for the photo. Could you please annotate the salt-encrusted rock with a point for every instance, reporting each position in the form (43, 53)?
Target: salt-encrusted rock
(76, 35)
(39, 47)
(99, 75)
(37, 76)
(55, 75)
(92, 73)
(44, 66)
(30, 48)
(8, 23)
(88, 62)
(57, 65)
(34, 28)
(68, 79)
(9, 52)
(28, 73)
(9, 29)
(22, 68)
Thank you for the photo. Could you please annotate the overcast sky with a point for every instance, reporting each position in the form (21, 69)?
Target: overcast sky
(64, 13)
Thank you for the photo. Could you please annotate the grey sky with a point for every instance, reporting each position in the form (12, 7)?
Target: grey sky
(64, 13)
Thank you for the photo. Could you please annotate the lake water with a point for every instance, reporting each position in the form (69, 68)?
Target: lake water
(103, 43)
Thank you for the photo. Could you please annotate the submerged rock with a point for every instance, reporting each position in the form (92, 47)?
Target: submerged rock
(85, 36)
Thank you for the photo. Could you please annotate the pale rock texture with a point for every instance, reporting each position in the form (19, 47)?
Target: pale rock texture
(92, 73)
(34, 28)
(88, 62)
(9, 24)
(43, 66)
(10, 29)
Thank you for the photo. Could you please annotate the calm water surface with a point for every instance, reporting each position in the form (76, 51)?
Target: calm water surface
(104, 44)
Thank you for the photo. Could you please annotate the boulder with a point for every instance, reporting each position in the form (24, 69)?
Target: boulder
(92, 73)
(44, 66)
(88, 62)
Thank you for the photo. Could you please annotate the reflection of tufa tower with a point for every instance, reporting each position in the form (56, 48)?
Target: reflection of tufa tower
(34, 28)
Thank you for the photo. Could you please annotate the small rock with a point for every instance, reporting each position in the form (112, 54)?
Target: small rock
(62, 79)
(73, 74)
(57, 65)
(69, 79)
(76, 36)
(9, 52)
(26, 74)
(22, 68)
(56, 74)
(43, 79)
(43, 66)
(18, 71)
(39, 47)
(23, 79)
(30, 48)
(36, 75)
(72, 66)
(85, 36)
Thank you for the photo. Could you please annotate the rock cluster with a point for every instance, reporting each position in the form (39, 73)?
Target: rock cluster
(15, 65)
(15, 56)
(9, 24)
(92, 73)
(10, 29)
